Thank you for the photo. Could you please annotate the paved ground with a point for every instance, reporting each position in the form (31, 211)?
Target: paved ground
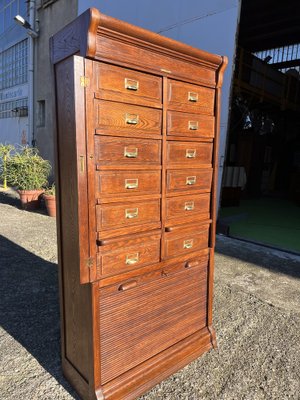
(257, 318)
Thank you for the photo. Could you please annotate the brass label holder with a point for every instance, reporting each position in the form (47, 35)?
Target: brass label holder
(131, 183)
(132, 259)
(193, 125)
(131, 213)
(130, 152)
(189, 205)
(131, 119)
(188, 244)
(190, 180)
(131, 84)
(193, 97)
(190, 153)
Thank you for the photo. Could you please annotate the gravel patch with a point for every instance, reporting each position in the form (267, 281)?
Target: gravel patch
(256, 316)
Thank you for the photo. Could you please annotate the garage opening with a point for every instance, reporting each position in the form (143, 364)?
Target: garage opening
(260, 198)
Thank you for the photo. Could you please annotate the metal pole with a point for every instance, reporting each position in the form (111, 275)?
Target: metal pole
(31, 44)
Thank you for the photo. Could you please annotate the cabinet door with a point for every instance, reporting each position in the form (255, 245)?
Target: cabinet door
(139, 318)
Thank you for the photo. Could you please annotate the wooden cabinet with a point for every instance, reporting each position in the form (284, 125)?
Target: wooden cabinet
(136, 168)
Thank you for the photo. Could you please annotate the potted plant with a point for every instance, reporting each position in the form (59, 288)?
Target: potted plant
(28, 171)
(5, 150)
(49, 197)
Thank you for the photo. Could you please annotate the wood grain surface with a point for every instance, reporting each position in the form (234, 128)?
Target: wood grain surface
(138, 128)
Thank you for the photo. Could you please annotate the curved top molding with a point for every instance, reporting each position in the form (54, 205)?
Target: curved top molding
(80, 36)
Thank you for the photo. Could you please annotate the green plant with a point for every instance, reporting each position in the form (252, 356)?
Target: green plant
(5, 150)
(50, 190)
(27, 170)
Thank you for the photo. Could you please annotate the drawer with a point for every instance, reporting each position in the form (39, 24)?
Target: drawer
(125, 255)
(193, 125)
(195, 179)
(114, 216)
(185, 240)
(127, 182)
(189, 153)
(144, 316)
(111, 150)
(188, 206)
(190, 98)
(127, 119)
(126, 85)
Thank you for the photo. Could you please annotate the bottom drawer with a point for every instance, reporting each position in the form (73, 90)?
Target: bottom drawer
(142, 317)
(117, 256)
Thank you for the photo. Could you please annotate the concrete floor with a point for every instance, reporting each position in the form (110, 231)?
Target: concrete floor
(256, 316)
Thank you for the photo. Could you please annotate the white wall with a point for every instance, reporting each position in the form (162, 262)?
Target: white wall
(14, 130)
(210, 25)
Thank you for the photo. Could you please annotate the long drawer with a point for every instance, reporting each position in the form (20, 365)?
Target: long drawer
(121, 255)
(126, 85)
(190, 98)
(195, 179)
(184, 240)
(189, 154)
(111, 150)
(143, 316)
(112, 117)
(191, 125)
(127, 182)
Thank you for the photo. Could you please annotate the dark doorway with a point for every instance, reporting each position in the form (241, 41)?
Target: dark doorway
(260, 198)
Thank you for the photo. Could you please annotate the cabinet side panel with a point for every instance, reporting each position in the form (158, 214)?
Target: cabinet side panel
(73, 217)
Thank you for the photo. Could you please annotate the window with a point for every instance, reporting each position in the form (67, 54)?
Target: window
(8, 9)
(12, 109)
(41, 113)
(13, 65)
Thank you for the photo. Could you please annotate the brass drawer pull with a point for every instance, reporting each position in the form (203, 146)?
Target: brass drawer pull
(132, 119)
(190, 180)
(132, 259)
(131, 183)
(130, 153)
(190, 153)
(127, 285)
(131, 213)
(189, 205)
(193, 97)
(193, 125)
(188, 244)
(131, 84)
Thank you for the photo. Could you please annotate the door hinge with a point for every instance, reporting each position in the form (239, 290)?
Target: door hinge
(89, 262)
(84, 81)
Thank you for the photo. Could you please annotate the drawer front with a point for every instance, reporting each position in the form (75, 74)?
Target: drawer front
(112, 150)
(126, 118)
(121, 84)
(191, 98)
(127, 182)
(126, 257)
(189, 153)
(193, 125)
(185, 241)
(149, 317)
(195, 179)
(186, 206)
(121, 215)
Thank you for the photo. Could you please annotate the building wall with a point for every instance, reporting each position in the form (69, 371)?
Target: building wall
(210, 25)
(13, 75)
(53, 16)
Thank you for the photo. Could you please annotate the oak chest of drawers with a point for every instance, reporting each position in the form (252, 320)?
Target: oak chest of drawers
(136, 155)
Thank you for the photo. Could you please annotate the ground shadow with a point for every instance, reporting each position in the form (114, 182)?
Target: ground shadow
(264, 257)
(9, 197)
(29, 306)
